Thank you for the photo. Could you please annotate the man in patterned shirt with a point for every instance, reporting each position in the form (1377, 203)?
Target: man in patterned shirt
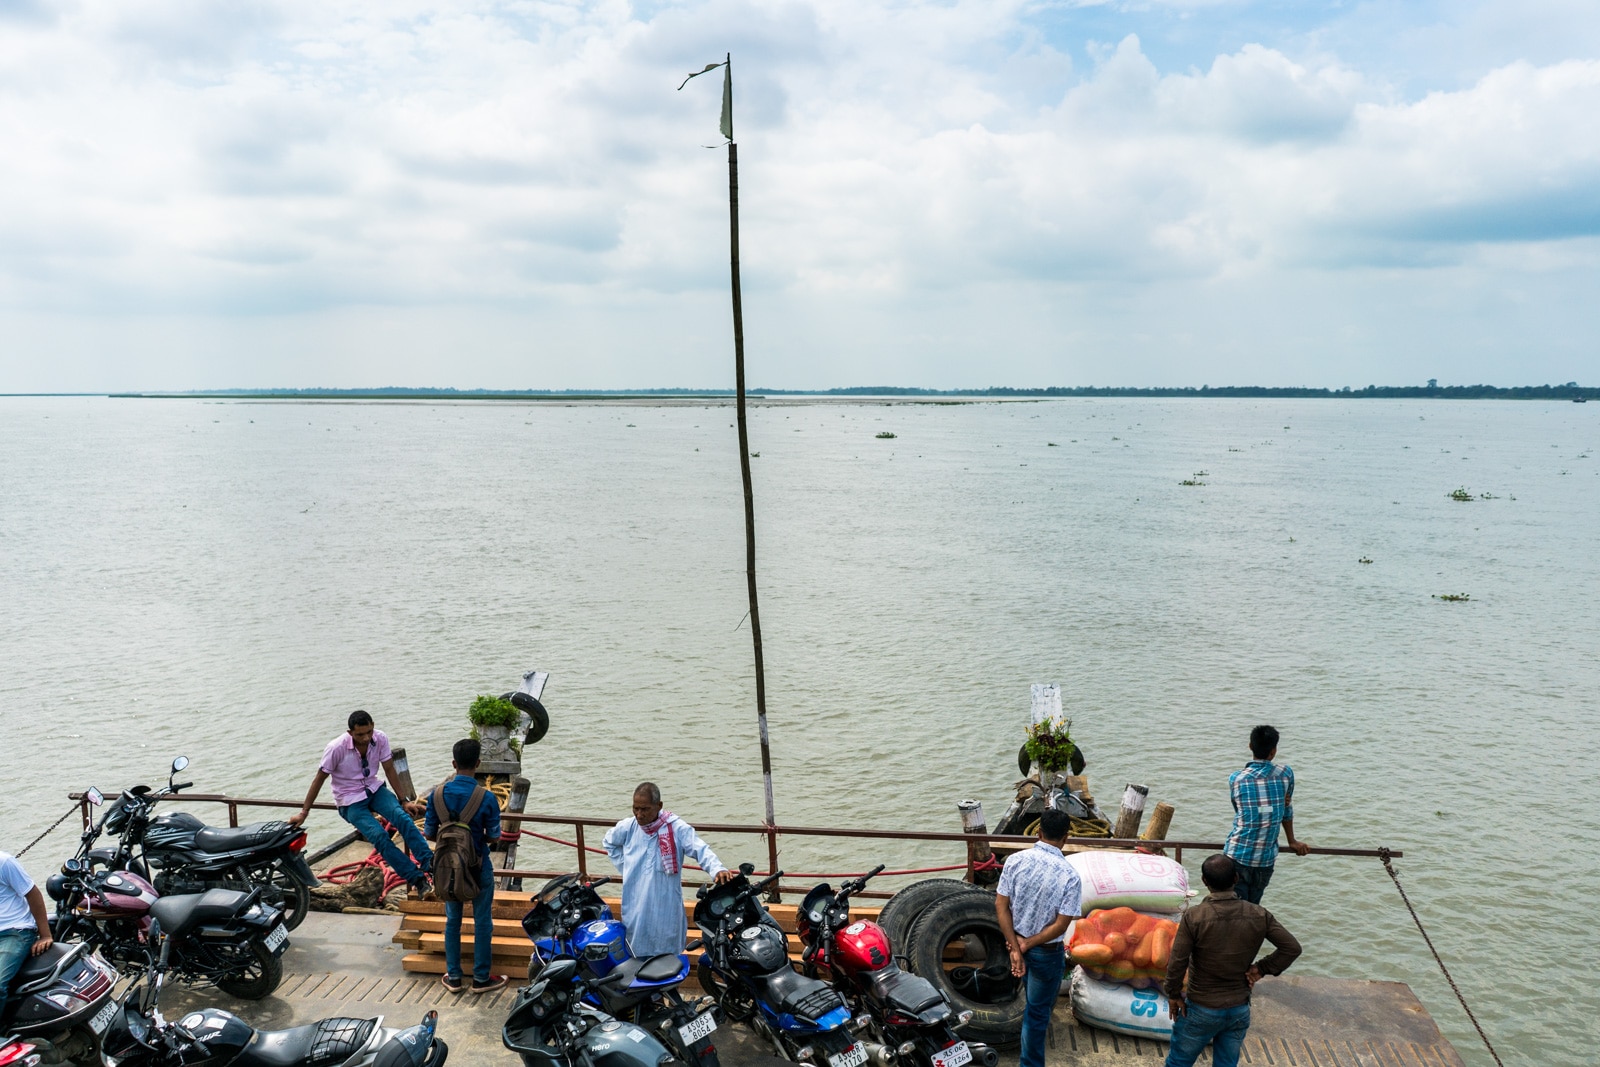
(1038, 895)
(1263, 800)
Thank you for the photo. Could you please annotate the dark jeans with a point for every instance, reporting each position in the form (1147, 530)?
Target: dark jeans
(1046, 964)
(482, 928)
(1252, 882)
(14, 948)
(363, 816)
(1221, 1028)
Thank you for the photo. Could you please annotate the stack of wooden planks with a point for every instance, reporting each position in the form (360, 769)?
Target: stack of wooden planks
(421, 933)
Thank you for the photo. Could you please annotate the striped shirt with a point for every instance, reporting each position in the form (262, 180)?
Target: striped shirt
(1263, 795)
(1040, 884)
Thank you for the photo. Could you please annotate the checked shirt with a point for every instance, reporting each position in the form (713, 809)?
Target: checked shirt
(1040, 884)
(1263, 794)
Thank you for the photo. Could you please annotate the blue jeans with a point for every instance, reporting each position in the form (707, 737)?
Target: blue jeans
(362, 815)
(1221, 1028)
(14, 948)
(1252, 882)
(1046, 964)
(482, 928)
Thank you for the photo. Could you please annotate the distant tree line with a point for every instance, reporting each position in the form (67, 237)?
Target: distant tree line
(1569, 391)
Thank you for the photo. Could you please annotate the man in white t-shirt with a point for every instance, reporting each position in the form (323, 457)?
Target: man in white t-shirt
(24, 925)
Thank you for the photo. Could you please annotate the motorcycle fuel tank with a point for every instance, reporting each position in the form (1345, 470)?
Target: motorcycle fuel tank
(760, 949)
(618, 1044)
(222, 1034)
(602, 944)
(861, 946)
(173, 830)
(125, 896)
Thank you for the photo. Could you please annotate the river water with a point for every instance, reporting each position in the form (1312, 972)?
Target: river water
(229, 579)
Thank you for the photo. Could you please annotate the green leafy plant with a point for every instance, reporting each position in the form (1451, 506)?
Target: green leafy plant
(1453, 598)
(493, 711)
(1461, 494)
(1050, 744)
(886, 436)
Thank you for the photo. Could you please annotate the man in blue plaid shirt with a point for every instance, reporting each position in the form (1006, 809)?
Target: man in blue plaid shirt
(1263, 800)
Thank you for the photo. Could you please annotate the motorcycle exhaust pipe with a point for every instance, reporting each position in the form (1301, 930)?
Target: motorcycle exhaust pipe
(881, 1055)
(984, 1054)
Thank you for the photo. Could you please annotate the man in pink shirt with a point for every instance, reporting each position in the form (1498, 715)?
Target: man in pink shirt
(352, 761)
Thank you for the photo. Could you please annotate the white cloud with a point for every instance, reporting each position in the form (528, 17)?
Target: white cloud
(297, 158)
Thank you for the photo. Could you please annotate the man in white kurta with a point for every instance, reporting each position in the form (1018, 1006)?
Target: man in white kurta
(650, 849)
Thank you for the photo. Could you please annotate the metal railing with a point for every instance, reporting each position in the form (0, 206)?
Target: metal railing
(578, 824)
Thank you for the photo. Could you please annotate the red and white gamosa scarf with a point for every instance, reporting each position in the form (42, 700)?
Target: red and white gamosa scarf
(666, 841)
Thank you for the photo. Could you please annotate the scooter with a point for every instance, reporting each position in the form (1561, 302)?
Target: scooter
(910, 1018)
(220, 936)
(568, 918)
(551, 1026)
(746, 968)
(60, 1003)
(15, 1052)
(177, 853)
(140, 1037)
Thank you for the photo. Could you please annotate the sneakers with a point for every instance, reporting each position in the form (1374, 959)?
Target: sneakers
(421, 887)
(452, 983)
(495, 982)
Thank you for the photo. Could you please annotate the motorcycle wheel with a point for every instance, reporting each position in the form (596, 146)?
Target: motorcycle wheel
(256, 980)
(282, 892)
(437, 1055)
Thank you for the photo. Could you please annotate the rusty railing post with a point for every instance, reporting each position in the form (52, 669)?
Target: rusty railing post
(233, 813)
(775, 894)
(583, 856)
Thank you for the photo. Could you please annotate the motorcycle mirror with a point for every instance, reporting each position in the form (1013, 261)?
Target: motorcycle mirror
(179, 764)
(94, 796)
(747, 869)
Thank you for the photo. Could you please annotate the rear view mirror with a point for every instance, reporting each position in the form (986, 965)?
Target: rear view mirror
(94, 796)
(179, 764)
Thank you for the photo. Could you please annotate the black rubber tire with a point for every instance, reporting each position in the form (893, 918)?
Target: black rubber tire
(282, 892)
(969, 915)
(437, 1055)
(262, 984)
(538, 718)
(1024, 764)
(901, 912)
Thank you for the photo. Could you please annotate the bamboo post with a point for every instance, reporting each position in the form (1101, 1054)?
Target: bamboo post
(1132, 812)
(744, 464)
(1160, 820)
(978, 850)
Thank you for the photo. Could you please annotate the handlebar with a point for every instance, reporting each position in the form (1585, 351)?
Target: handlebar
(182, 785)
(597, 883)
(856, 885)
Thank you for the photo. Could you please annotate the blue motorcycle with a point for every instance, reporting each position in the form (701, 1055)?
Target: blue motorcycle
(570, 920)
(746, 968)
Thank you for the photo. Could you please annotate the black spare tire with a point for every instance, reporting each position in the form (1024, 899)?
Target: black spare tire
(538, 718)
(975, 974)
(904, 907)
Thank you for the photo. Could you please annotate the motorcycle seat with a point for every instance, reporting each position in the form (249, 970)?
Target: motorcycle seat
(653, 970)
(36, 968)
(909, 992)
(237, 838)
(177, 914)
(792, 992)
(318, 1044)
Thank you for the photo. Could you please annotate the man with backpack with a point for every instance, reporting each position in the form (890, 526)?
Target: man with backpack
(464, 820)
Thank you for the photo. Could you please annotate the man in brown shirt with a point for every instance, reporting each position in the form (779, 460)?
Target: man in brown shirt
(1216, 947)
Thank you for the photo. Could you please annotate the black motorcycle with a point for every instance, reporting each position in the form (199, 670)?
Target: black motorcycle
(138, 1036)
(177, 853)
(223, 936)
(551, 1026)
(746, 968)
(60, 1003)
(568, 918)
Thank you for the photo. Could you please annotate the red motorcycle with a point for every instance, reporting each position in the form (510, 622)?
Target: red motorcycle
(912, 1022)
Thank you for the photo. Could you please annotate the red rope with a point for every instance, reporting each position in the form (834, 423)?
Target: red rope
(989, 864)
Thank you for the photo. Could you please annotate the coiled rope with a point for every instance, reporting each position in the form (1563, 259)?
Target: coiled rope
(1384, 855)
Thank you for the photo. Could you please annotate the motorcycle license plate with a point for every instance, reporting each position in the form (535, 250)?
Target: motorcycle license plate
(700, 1026)
(954, 1056)
(277, 938)
(103, 1017)
(854, 1056)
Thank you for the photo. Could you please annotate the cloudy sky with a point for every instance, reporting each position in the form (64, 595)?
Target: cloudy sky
(262, 193)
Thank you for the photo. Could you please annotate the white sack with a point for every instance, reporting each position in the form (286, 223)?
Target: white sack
(1120, 1008)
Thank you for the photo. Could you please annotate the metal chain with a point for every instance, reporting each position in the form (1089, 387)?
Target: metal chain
(70, 812)
(1383, 854)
